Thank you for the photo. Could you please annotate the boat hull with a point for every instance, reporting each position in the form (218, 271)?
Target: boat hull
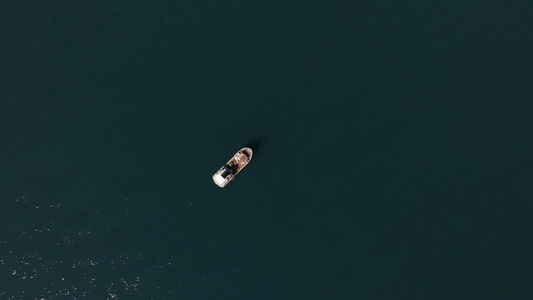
(233, 167)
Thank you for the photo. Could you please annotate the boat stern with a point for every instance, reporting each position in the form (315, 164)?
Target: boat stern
(222, 177)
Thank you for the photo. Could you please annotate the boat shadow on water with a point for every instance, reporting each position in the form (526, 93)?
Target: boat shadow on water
(255, 144)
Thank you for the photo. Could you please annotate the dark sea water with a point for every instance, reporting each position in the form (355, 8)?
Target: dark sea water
(392, 150)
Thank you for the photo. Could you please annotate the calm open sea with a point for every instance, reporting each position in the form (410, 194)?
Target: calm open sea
(393, 150)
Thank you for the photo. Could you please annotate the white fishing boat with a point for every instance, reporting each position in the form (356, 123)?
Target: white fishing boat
(228, 171)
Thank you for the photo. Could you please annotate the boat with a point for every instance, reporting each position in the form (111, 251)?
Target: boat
(228, 171)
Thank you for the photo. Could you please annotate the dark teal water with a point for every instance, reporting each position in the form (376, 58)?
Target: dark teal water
(392, 147)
